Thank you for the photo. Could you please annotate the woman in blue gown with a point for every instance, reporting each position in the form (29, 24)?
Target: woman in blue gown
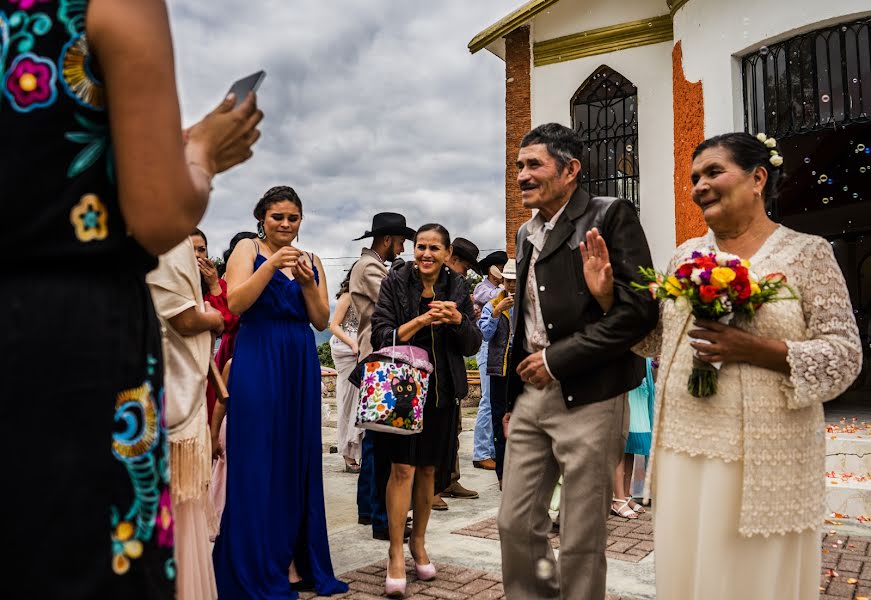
(273, 537)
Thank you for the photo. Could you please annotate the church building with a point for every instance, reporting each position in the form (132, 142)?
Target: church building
(644, 81)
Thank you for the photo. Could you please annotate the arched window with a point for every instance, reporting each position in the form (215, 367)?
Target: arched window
(605, 114)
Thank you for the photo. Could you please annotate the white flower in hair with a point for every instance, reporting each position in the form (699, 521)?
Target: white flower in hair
(776, 160)
(761, 137)
(771, 142)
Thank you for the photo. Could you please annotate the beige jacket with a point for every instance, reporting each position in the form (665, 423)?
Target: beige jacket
(175, 287)
(365, 285)
(772, 422)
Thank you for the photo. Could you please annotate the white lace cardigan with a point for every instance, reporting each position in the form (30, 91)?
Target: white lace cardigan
(771, 421)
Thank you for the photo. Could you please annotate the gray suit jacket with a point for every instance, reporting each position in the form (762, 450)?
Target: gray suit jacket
(366, 277)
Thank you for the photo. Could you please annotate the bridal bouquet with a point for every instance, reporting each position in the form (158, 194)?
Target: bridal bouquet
(717, 286)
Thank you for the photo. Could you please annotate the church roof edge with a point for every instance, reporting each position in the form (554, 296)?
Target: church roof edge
(509, 23)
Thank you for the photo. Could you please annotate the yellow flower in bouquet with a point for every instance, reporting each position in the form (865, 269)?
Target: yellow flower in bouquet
(721, 277)
(672, 286)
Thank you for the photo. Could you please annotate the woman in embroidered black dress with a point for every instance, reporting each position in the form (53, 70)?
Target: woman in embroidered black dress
(95, 181)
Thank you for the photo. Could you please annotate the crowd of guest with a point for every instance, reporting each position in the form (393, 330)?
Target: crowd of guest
(150, 448)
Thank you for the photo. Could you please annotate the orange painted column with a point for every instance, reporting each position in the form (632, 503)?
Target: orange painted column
(689, 132)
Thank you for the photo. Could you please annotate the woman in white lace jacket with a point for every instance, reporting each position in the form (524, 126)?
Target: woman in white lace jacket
(738, 476)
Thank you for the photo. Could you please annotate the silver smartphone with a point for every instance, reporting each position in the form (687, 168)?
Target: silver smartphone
(243, 86)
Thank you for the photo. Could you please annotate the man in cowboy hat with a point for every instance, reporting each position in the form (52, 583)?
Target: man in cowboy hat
(484, 451)
(464, 256)
(388, 234)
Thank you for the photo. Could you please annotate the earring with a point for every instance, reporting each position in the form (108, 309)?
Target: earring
(261, 233)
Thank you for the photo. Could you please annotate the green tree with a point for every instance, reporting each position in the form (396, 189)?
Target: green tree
(472, 279)
(325, 356)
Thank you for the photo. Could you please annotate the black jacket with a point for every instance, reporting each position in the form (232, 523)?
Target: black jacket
(590, 352)
(398, 303)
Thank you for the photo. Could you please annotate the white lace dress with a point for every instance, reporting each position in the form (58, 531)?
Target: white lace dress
(738, 478)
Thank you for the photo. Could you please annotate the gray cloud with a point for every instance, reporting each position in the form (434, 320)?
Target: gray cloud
(370, 106)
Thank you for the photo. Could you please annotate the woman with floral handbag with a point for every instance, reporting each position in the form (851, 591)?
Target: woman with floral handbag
(425, 305)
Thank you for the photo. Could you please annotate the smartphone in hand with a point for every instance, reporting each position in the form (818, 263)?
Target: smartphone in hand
(243, 86)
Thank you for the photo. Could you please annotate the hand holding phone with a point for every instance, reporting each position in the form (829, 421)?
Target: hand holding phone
(242, 87)
(224, 137)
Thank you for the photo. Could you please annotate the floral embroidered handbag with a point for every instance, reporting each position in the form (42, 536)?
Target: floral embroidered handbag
(393, 390)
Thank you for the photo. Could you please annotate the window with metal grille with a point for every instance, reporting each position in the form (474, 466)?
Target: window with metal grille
(818, 79)
(605, 114)
(813, 93)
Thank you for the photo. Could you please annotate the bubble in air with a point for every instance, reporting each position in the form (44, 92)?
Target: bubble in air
(855, 194)
(763, 51)
(807, 160)
(544, 569)
(824, 178)
(825, 200)
(846, 188)
(628, 147)
(825, 98)
(860, 147)
(862, 169)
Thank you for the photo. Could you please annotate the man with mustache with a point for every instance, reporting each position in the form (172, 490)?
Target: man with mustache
(569, 372)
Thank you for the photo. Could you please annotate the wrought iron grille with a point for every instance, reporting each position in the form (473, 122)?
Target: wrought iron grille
(812, 81)
(605, 114)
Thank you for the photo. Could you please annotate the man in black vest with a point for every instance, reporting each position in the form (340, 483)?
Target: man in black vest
(570, 369)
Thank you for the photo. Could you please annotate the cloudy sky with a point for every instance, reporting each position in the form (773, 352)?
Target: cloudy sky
(370, 106)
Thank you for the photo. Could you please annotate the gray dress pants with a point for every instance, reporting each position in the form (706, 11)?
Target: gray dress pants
(584, 445)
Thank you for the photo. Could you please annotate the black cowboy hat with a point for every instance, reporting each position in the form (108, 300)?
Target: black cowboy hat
(497, 258)
(388, 223)
(466, 250)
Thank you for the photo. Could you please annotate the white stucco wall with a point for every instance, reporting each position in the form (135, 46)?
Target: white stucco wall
(573, 16)
(715, 34)
(649, 68)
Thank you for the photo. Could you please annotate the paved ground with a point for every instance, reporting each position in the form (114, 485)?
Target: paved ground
(463, 542)
(355, 554)
(846, 566)
(628, 540)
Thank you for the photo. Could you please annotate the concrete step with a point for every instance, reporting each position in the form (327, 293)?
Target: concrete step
(849, 452)
(848, 469)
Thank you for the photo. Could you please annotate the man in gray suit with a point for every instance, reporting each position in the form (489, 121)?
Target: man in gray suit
(388, 234)
(569, 371)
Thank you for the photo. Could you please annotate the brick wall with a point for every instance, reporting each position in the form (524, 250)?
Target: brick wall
(518, 121)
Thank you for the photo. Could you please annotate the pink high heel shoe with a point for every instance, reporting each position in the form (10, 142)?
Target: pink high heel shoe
(425, 572)
(394, 588)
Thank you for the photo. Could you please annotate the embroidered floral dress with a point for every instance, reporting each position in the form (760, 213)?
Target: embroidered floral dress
(83, 441)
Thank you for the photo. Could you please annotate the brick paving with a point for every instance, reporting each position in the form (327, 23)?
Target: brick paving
(629, 540)
(453, 582)
(846, 567)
